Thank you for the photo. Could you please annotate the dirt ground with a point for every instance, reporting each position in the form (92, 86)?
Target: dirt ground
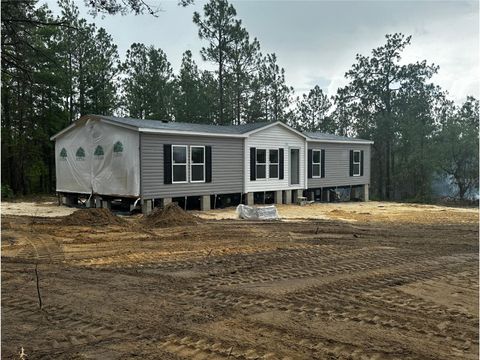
(333, 281)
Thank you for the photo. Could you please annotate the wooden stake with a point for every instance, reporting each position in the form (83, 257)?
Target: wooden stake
(38, 287)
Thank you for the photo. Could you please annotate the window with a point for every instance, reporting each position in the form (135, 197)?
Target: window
(197, 163)
(179, 163)
(273, 165)
(356, 163)
(261, 163)
(316, 163)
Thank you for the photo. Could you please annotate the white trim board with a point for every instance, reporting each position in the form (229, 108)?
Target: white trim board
(273, 124)
(358, 142)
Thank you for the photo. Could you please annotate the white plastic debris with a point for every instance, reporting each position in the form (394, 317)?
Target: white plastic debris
(257, 213)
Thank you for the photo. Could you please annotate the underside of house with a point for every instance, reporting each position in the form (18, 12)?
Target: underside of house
(102, 160)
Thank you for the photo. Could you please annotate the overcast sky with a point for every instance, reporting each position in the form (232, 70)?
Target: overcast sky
(316, 41)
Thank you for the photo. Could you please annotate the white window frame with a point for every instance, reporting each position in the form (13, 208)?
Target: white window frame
(277, 163)
(185, 164)
(264, 164)
(319, 164)
(359, 163)
(198, 164)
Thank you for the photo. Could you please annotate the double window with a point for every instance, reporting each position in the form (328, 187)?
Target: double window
(180, 163)
(356, 163)
(262, 163)
(316, 163)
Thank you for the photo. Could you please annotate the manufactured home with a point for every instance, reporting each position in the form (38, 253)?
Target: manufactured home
(151, 163)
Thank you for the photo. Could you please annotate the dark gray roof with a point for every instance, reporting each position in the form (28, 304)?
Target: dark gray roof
(213, 129)
(187, 127)
(324, 136)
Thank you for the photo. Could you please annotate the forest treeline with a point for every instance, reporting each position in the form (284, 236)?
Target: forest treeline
(56, 68)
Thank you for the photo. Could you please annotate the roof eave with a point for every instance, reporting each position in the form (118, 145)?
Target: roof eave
(97, 117)
(187, 132)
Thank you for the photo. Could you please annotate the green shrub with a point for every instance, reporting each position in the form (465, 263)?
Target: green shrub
(7, 192)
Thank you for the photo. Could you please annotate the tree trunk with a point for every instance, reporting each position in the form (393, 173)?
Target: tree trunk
(388, 171)
(238, 112)
(70, 95)
(220, 76)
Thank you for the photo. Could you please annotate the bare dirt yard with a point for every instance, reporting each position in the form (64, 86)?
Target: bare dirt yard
(329, 281)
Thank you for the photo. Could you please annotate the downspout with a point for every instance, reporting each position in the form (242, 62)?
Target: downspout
(244, 181)
(140, 165)
(305, 169)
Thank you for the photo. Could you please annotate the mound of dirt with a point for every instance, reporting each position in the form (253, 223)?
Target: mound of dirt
(92, 217)
(170, 215)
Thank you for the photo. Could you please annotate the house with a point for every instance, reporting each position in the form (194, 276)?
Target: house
(152, 162)
(338, 162)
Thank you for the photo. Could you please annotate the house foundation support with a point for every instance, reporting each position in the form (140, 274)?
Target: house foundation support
(288, 196)
(166, 201)
(146, 207)
(205, 202)
(107, 204)
(279, 197)
(366, 192)
(250, 199)
(326, 195)
(311, 195)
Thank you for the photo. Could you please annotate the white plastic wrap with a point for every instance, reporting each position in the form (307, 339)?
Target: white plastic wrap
(257, 213)
(110, 165)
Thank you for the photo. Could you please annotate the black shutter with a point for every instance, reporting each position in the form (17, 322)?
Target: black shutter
(361, 163)
(280, 164)
(208, 164)
(310, 163)
(323, 163)
(253, 162)
(351, 162)
(167, 164)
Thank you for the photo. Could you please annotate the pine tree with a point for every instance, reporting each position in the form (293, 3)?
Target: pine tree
(148, 87)
(372, 93)
(217, 27)
(243, 61)
(275, 95)
(313, 112)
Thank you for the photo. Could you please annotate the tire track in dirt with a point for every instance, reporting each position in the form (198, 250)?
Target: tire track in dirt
(80, 329)
(198, 347)
(302, 305)
(308, 267)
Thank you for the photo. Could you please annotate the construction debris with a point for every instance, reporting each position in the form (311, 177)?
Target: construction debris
(257, 213)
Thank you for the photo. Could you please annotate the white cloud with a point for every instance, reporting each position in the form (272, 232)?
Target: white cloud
(316, 41)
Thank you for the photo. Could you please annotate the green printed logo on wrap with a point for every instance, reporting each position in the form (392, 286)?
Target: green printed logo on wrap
(80, 154)
(118, 148)
(99, 151)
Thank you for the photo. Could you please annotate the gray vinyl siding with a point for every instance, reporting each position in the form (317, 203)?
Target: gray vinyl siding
(337, 165)
(227, 166)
